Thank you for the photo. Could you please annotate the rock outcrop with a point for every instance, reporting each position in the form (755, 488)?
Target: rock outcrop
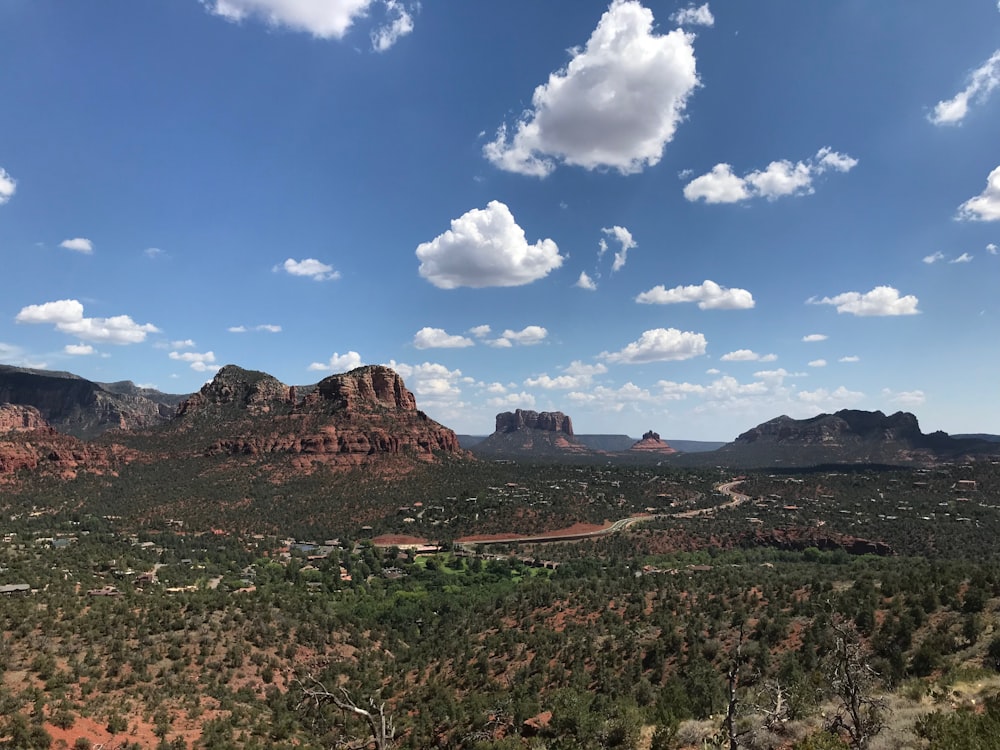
(29, 444)
(530, 434)
(651, 443)
(83, 408)
(345, 420)
(523, 419)
(18, 418)
(242, 390)
(847, 436)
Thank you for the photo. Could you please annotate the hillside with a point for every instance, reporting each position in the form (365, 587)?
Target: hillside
(83, 408)
(845, 437)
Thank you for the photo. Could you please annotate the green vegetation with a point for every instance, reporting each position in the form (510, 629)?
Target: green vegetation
(753, 625)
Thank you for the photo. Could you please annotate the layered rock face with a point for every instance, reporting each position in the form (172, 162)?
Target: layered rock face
(526, 434)
(255, 392)
(363, 390)
(842, 428)
(651, 443)
(847, 436)
(29, 443)
(83, 408)
(18, 418)
(523, 419)
(346, 420)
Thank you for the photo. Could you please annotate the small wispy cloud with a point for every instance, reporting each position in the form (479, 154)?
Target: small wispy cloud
(981, 83)
(309, 268)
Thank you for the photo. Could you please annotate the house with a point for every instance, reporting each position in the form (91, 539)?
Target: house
(15, 589)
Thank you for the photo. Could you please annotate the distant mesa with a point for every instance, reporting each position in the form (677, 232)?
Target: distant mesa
(651, 443)
(847, 436)
(531, 434)
(522, 419)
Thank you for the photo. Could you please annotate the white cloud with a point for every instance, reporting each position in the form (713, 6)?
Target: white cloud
(612, 399)
(778, 179)
(986, 205)
(309, 267)
(585, 282)
(401, 24)
(982, 81)
(338, 363)
(500, 343)
(512, 401)
(813, 337)
(67, 316)
(694, 16)
(850, 359)
(79, 349)
(528, 336)
(480, 331)
(747, 355)
(438, 338)
(79, 245)
(8, 186)
(265, 327)
(616, 104)
(626, 242)
(992, 248)
(199, 362)
(821, 398)
(963, 258)
(904, 398)
(576, 375)
(708, 295)
(430, 380)
(818, 363)
(660, 345)
(182, 344)
(781, 178)
(718, 186)
(880, 301)
(827, 158)
(933, 257)
(324, 19)
(152, 252)
(484, 248)
(578, 369)
(207, 357)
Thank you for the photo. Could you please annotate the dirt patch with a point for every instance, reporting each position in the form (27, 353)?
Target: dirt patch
(576, 529)
(398, 540)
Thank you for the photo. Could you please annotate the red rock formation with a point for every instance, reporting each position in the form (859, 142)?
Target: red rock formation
(547, 421)
(17, 418)
(651, 443)
(30, 444)
(355, 418)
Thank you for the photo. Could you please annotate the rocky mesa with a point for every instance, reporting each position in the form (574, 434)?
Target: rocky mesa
(349, 419)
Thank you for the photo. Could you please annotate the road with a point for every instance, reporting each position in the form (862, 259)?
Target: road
(727, 488)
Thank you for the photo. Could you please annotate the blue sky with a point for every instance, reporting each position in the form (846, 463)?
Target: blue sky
(685, 218)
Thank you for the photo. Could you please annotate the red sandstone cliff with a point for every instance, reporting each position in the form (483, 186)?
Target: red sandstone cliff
(355, 418)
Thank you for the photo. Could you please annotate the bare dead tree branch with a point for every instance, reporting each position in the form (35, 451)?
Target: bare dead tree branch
(380, 724)
(861, 714)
